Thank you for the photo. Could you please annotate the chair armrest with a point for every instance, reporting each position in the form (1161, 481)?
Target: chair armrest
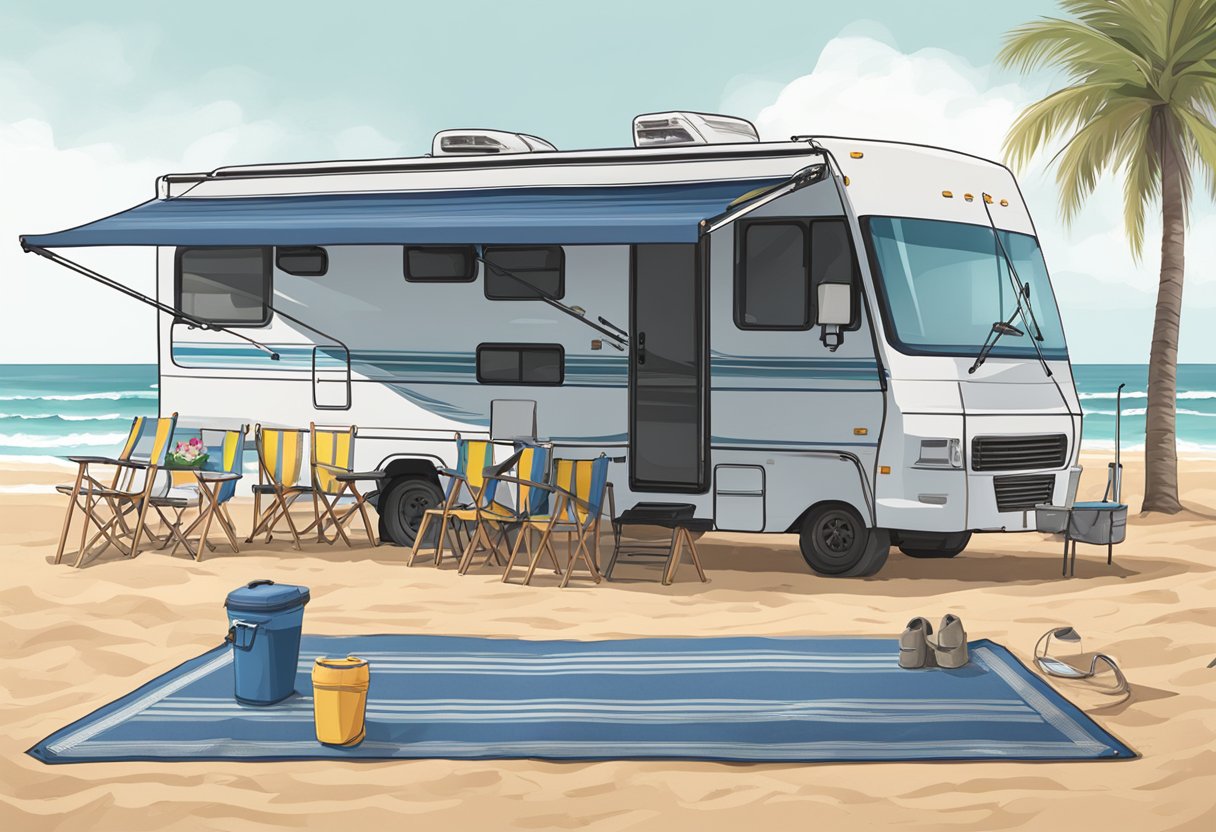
(521, 481)
(449, 472)
(333, 469)
(133, 463)
(355, 476)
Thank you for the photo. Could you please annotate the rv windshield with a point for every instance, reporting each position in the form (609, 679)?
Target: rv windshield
(943, 285)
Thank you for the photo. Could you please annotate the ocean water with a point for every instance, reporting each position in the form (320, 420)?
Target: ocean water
(51, 410)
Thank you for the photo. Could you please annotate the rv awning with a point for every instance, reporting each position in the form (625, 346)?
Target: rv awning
(668, 213)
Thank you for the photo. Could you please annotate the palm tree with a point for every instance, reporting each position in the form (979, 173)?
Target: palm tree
(1140, 103)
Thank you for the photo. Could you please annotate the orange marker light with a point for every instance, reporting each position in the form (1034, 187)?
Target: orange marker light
(856, 154)
(1004, 203)
(846, 181)
(884, 469)
(861, 431)
(968, 197)
(987, 199)
(948, 194)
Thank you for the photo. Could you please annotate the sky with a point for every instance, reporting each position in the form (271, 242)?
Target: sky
(96, 100)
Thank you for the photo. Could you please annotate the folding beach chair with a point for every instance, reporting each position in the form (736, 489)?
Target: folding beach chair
(280, 460)
(208, 490)
(492, 518)
(126, 495)
(578, 490)
(334, 479)
(472, 457)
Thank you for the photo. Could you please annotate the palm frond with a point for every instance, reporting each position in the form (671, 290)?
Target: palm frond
(1142, 180)
(1200, 141)
(1052, 116)
(1092, 151)
(1079, 49)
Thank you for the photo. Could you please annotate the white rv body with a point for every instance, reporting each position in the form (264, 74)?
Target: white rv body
(791, 424)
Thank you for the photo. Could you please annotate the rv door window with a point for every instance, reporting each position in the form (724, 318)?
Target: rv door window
(440, 264)
(536, 364)
(302, 261)
(534, 272)
(772, 280)
(228, 286)
(833, 260)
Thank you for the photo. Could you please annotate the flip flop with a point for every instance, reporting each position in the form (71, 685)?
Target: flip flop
(914, 643)
(950, 650)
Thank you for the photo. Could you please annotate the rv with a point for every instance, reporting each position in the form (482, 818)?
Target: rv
(851, 340)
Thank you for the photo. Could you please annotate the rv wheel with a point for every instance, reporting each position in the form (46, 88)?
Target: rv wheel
(402, 506)
(835, 542)
(933, 545)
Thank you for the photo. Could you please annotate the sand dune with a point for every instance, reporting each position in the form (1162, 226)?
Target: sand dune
(75, 639)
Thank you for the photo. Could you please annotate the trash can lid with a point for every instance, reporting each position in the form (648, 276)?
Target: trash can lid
(266, 596)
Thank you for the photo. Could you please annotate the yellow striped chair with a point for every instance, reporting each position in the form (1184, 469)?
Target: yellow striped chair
(577, 492)
(472, 458)
(225, 455)
(492, 517)
(280, 465)
(335, 479)
(126, 495)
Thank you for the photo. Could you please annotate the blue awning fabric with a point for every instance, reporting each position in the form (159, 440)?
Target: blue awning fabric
(589, 215)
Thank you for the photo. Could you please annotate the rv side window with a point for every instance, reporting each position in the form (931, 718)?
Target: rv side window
(833, 260)
(228, 286)
(541, 364)
(303, 261)
(534, 272)
(772, 280)
(440, 264)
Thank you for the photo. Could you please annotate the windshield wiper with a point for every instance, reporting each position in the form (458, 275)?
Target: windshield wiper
(998, 329)
(576, 312)
(1021, 292)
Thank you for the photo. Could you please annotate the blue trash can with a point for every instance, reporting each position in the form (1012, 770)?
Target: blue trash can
(264, 623)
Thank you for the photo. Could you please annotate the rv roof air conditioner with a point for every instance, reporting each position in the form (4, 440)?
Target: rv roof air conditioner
(467, 142)
(659, 129)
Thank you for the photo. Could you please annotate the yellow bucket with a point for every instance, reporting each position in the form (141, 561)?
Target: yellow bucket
(339, 699)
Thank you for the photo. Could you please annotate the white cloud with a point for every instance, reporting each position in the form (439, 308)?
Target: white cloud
(861, 86)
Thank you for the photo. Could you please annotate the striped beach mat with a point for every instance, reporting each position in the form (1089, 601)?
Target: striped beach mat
(727, 699)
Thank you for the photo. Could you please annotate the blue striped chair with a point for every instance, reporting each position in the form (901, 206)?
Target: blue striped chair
(578, 492)
(126, 496)
(493, 518)
(225, 456)
(472, 458)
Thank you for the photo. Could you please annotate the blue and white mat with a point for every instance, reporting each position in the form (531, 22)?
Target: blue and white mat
(730, 699)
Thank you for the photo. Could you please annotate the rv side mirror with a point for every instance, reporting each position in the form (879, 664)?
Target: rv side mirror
(834, 309)
(835, 304)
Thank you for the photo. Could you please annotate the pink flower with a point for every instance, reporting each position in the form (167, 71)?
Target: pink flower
(196, 441)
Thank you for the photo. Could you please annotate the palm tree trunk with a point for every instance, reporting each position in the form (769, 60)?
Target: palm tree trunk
(1160, 439)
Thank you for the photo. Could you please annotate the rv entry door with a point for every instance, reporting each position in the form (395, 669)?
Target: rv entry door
(668, 437)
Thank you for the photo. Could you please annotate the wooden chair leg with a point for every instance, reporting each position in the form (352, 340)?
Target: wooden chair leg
(545, 541)
(520, 541)
(257, 508)
(67, 519)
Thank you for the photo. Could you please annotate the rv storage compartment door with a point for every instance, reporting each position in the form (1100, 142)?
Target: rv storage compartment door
(739, 498)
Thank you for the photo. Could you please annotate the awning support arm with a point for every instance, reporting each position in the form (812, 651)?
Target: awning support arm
(807, 176)
(110, 283)
(614, 339)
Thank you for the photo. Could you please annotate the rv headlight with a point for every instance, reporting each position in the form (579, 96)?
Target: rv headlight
(940, 453)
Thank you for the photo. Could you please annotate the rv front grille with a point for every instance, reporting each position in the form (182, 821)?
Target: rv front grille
(1023, 493)
(1018, 453)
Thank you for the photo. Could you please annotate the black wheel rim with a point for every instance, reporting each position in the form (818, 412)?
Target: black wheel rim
(412, 506)
(837, 534)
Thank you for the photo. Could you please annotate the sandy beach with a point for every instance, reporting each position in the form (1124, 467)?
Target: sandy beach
(75, 639)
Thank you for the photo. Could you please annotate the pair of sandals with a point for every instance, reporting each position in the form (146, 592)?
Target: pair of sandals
(917, 649)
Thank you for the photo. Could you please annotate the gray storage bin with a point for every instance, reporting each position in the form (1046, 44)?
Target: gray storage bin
(1099, 524)
(1051, 519)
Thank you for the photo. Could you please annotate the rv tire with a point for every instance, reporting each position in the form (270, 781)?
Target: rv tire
(836, 542)
(402, 506)
(933, 545)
